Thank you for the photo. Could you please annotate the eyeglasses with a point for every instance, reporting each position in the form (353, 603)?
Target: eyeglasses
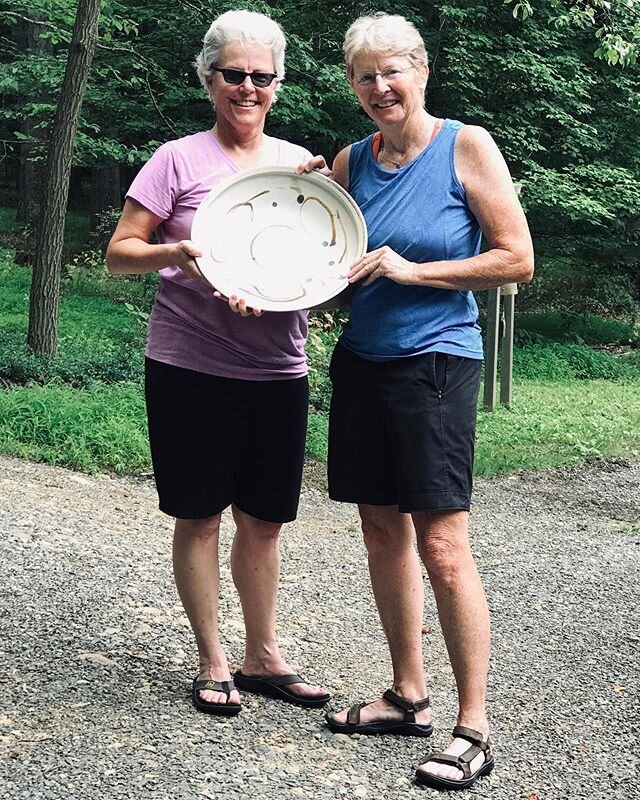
(388, 76)
(237, 76)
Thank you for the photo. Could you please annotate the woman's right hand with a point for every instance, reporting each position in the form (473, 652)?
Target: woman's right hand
(185, 258)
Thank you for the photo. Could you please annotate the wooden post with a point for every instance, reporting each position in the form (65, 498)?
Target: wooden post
(508, 292)
(491, 356)
(494, 335)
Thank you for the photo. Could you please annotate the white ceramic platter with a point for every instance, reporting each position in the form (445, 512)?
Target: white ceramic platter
(281, 241)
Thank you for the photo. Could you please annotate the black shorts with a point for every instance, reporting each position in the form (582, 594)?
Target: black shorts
(217, 441)
(402, 432)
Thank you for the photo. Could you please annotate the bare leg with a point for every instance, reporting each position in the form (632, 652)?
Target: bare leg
(396, 580)
(197, 576)
(443, 543)
(255, 565)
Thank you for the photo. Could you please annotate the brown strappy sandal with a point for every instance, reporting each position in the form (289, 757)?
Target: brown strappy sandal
(461, 762)
(407, 726)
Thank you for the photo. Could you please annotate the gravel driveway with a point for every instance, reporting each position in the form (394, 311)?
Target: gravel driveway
(96, 656)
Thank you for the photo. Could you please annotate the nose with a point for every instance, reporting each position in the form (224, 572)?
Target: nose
(380, 79)
(246, 84)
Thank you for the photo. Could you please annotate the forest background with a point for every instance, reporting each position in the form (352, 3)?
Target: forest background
(555, 82)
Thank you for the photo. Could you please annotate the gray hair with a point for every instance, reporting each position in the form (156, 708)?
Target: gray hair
(240, 26)
(384, 33)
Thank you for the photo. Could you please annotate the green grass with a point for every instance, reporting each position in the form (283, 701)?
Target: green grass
(557, 424)
(103, 428)
(84, 408)
(100, 429)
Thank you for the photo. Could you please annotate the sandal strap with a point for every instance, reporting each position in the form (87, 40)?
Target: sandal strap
(452, 761)
(462, 762)
(474, 737)
(214, 686)
(353, 715)
(408, 707)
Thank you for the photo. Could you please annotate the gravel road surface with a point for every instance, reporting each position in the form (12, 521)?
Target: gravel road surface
(96, 655)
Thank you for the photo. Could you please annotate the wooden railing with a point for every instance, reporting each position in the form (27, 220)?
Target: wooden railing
(500, 327)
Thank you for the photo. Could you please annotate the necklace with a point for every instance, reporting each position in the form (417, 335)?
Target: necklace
(382, 157)
(379, 150)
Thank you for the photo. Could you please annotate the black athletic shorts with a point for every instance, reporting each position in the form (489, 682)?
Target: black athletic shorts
(217, 441)
(402, 432)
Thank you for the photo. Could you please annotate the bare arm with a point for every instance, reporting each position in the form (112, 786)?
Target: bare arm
(492, 199)
(129, 250)
(340, 169)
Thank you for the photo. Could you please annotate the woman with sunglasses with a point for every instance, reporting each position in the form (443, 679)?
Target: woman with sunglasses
(227, 397)
(406, 374)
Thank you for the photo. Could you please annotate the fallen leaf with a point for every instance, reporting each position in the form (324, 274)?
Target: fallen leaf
(618, 688)
(427, 629)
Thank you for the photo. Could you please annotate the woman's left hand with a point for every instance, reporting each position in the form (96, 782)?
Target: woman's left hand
(238, 305)
(383, 263)
(314, 164)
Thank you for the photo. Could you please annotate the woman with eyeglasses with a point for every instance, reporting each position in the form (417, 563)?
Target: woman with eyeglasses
(227, 397)
(406, 374)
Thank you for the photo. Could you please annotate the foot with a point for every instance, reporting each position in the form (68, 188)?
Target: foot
(383, 711)
(262, 669)
(209, 696)
(457, 748)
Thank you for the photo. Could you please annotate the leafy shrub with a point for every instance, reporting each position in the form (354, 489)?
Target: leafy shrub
(566, 326)
(75, 364)
(101, 428)
(562, 362)
(324, 329)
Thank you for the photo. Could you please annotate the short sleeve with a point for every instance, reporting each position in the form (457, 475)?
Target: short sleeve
(156, 185)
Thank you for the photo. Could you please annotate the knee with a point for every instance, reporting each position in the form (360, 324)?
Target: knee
(381, 540)
(258, 531)
(204, 530)
(445, 559)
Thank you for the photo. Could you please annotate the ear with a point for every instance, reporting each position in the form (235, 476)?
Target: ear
(424, 77)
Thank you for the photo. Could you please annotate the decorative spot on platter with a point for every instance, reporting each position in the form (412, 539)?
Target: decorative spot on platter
(300, 199)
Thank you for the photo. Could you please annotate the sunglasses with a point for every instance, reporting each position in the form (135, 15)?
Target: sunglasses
(237, 76)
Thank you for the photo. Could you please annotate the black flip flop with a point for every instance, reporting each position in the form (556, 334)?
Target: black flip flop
(407, 726)
(462, 762)
(221, 709)
(277, 686)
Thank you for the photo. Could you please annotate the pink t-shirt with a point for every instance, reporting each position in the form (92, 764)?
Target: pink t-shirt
(188, 326)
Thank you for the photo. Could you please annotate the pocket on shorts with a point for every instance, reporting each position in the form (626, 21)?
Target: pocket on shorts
(440, 369)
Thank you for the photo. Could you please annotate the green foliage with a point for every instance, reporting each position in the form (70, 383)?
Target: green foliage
(97, 429)
(317, 436)
(565, 326)
(563, 362)
(98, 339)
(561, 423)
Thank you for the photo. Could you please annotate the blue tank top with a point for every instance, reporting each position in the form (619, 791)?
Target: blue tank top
(420, 211)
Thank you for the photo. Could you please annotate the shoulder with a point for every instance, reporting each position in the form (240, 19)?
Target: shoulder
(476, 153)
(473, 140)
(340, 168)
(295, 152)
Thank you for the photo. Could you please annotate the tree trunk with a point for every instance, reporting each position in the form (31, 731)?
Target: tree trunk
(45, 286)
(29, 171)
(105, 190)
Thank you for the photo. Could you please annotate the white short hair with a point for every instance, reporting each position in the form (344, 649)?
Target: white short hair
(240, 26)
(384, 33)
